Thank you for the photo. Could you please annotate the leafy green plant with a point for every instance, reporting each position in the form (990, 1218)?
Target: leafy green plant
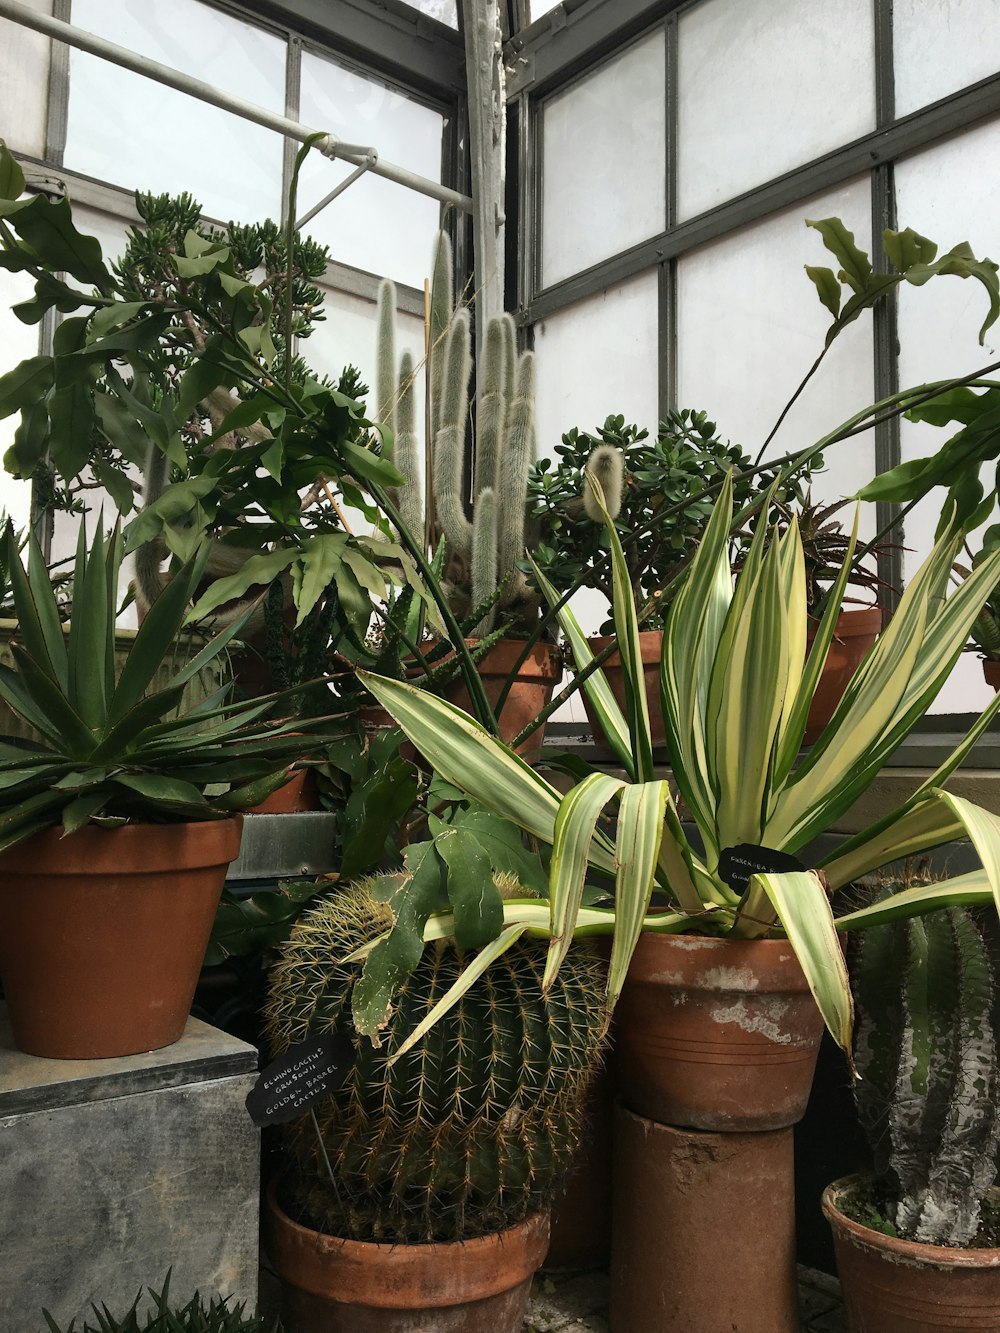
(465, 1136)
(736, 685)
(926, 1049)
(661, 503)
(216, 1315)
(111, 746)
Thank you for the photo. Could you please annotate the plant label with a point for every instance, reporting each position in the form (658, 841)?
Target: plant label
(737, 864)
(307, 1071)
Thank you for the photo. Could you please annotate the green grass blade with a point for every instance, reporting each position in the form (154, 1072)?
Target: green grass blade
(971, 890)
(574, 831)
(912, 829)
(803, 908)
(640, 829)
(51, 650)
(89, 631)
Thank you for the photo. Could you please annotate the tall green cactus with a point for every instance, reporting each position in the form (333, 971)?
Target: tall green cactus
(471, 1130)
(926, 1050)
(482, 553)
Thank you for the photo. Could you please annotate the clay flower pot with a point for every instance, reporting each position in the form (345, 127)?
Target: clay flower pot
(103, 932)
(991, 672)
(717, 1034)
(299, 793)
(899, 1286)
(345, 1286)
(651, 649)
(854, 634)
(532, 689)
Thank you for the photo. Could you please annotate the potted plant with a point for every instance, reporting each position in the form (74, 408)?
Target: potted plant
(417, 1192)
(480, 555)
(658, 492)
(195, 1316)
(717, 1030)
(118, 823)
(918, 1240)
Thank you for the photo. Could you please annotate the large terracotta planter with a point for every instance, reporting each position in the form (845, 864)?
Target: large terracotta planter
(855, 633)
(330, 1285)
(300, 793)
(581, 1213)
(103, 932)
(717, 1034)
(532, 689)
(651, 649)
(991, 673)
(898, 1286)
(704, 1230)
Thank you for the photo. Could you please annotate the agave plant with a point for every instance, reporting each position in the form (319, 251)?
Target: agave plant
(736, 684)
(111, 747)
(198, 1315)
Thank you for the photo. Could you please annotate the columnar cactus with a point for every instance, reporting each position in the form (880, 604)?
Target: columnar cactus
(926, 1050)
(471, 1130)
(482, 553)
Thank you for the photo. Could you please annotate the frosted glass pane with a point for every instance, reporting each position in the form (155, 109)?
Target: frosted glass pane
(764, 86)
(603, 162)
(941, 47)
(376, 224)
(445, 11)
(17, 341)
(540, 7)
(950, 193)
(174, 142)
(594, 358)
(25, 84)
(749, 327)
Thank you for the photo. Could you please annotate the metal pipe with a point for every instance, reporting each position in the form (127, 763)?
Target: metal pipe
(331, 146)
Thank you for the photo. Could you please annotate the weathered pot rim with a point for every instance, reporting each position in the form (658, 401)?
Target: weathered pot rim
(904, 1251)
(137, 849)
(648, 639)
(403, 1276)
(543, 660)
(853, 622)
(713, 962)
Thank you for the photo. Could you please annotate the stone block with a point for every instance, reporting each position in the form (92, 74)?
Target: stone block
(115, 1171)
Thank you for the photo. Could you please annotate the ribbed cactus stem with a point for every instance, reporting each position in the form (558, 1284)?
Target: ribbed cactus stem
(926, 1051)
(515, 463)
(510, 358)
(449, 443)
(492, 407)
(407, 455)
(484, 557)
(607, 467)
(442, 307)
(385, 355)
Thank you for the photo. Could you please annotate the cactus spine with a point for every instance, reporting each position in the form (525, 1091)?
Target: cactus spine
(474, 1128)
(926, 1050)
(482, 554)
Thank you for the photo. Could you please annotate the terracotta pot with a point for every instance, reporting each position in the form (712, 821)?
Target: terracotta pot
(704, 1230)
(717, 1034)
(898, 1286)
(991, 672)
(855, 633)
(651, 648)
(581, 1214)
(330, 1285)
(537, 677)
(102, 933)
(299, 793)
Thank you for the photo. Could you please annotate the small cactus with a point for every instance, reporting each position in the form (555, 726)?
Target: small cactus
(607, 467)
(474, 1128)
(926, 1051)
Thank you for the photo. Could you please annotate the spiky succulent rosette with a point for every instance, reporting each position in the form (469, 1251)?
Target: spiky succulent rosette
(471, 1130)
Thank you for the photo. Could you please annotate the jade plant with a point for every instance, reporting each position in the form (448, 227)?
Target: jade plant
(466, 1135)
(198, 1315)
(925, 1046)
(482, 552)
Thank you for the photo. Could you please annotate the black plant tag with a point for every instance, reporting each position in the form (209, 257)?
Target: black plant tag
(307, 1071)
(737, 864)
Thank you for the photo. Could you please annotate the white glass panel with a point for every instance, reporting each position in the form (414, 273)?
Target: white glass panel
(597, 357)
(17, 341)
(376, 224)
(445, 11)
(24, 85)
(540, 7)
(133, 132)
(750, 325)
(766, 85)
(942, 46)
(603, 161)
(950, 193)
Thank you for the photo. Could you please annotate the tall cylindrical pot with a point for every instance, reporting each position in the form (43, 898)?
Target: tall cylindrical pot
(899, 1286)
(532, 687)
(704, 1230)
(103, 933)
(854, 634)
(717, 1034)
(651, 650)
(331, 1285)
